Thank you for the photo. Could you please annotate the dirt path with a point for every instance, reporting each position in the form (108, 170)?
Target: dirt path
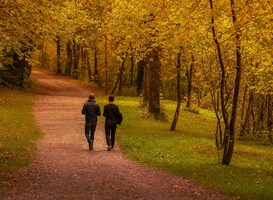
(64, 168)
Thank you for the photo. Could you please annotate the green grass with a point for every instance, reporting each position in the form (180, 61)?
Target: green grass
(17, 130)
(190, 151)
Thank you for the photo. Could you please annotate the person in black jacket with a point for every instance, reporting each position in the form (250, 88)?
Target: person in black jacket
(113, 117)
(91, 110)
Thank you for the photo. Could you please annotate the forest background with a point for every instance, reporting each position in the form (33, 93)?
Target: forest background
(213, 55)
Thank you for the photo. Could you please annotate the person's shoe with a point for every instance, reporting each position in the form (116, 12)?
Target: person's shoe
(90, 145)
(109, 148)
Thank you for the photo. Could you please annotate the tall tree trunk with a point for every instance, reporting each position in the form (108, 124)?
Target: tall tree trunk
(106, 64)
(140, 76)
(69, 59)
(76, 51)
(83, 63)
(42, 56)
(230, 136)
(147, 77)
(218, 132)
(261, 110)
(243, 109)
(223, 73)
(246, 125)
(154, 86)
(58, 42)
(86, 55)
(179, 95)
(119, 78)
(96, 69)
(189, 75)
(199, 92)
(96, 66)
(121, 74)
(22, 64)
(115, 86)
(132, 71)
(269, 116)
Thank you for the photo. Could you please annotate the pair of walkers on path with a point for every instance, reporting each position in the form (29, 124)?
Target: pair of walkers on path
(91, 110)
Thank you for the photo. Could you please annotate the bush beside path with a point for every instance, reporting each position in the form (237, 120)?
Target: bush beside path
(64, 168)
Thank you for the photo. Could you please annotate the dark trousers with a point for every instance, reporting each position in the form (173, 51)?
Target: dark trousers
(90, 128)
(110, 133)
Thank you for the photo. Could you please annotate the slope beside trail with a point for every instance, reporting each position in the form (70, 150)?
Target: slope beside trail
(64, 168)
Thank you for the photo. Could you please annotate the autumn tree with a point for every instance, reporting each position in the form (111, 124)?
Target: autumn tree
(142, 38)
(21, 28)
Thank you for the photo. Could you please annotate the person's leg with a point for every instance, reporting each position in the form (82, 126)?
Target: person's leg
(88, 134)
(87, 131)
(92, 131)
(113, 135)
(108, 135)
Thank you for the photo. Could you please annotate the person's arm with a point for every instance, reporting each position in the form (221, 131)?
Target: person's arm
(119, 116)
(98, 111)
(118, 112)
(84, 109)
(104, 111)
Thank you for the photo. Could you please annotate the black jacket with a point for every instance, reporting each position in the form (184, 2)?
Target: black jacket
(112, 113)
(91, 110)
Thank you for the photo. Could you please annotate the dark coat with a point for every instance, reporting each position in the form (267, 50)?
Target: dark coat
(91, 110)
(112, 114)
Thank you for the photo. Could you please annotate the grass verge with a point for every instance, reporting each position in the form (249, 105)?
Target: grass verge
(17, 130)
(190, 151)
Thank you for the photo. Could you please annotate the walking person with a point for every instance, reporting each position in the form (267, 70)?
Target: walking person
(113, 117)
(91, 110)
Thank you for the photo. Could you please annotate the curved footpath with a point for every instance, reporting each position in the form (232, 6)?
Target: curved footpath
(64, 168)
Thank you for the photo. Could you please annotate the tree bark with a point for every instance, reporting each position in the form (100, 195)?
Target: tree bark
(89, 70)
(106, 64)
(76, 52)
(261, 117)
(223, 75)
(140, 76)
(154, 86)
(246, 125)
(230, 136)
(147, 76)
(58, 43)
(243, 109)
(69, 59)
(83, 62)
(179, 95)
(223, 71)
(96, 71)
(229, 133)
(96, 66)
(121, 74)
(269, 116)
(22, 65)
(189, 75)
(132, 70)
(119, 78)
